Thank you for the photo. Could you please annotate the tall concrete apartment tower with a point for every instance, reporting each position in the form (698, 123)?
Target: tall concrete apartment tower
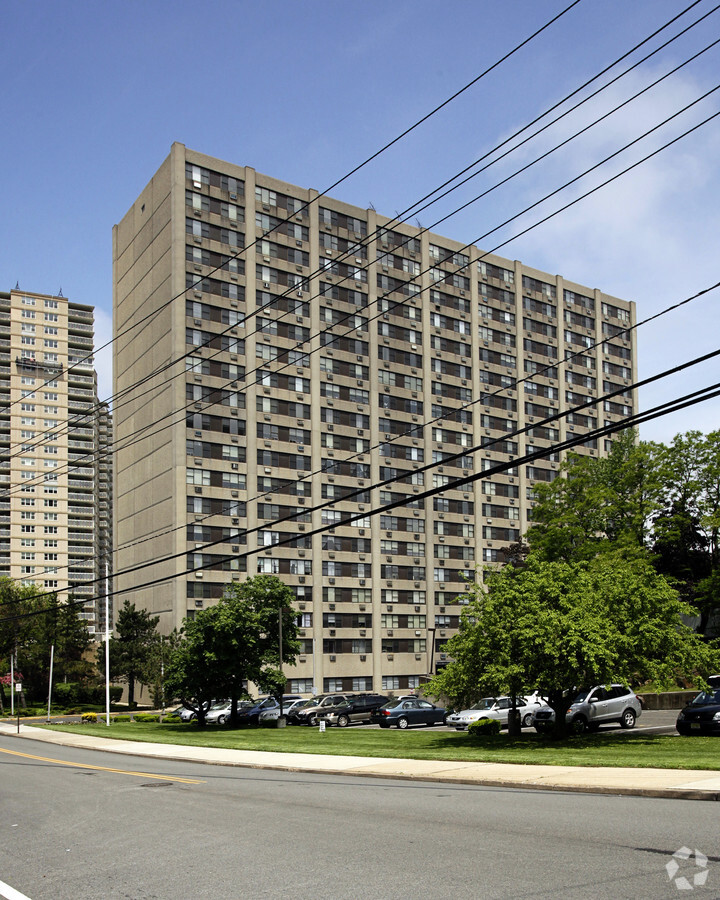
(276, 350)
(55, 471)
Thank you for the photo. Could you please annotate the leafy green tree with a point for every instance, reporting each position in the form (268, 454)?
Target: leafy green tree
(598, 503)
(132, 648)
(31, 622)
(685, 532)
(560, 625)
(235, 642)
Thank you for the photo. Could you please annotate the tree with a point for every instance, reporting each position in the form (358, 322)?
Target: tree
(560, 625)
(685, 532)
(234, 642)
(30, 623)
(598, 502)
(131, 647)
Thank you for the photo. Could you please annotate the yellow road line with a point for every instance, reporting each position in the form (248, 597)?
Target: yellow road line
(62, 762)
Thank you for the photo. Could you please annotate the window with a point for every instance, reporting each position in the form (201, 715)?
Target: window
(198, 477)
(391, 682)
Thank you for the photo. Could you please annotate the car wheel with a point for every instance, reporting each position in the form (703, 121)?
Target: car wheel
(579, 725)
(222, 720)
(312, 720)
(628, 719)
(402, 722)
(527, 720)
(342, 721)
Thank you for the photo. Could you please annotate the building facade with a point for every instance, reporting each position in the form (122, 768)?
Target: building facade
(55, 471)
(276, 350)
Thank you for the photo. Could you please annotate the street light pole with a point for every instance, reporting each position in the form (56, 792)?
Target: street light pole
(107, 650)
(280, 612)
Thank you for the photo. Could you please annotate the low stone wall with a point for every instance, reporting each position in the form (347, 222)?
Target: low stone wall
(669, 700)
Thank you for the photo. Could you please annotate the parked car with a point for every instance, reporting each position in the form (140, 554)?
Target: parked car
(594, 707)
(251, 716)
(408, 711)
(220, 712)
(273, 714)
(701, 715)
(495, 708)
(293, 712)
(355, 709)
(189, 715)
(308, 715)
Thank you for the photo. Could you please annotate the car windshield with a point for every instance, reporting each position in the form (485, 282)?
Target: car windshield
(485, 703)
(706, 698)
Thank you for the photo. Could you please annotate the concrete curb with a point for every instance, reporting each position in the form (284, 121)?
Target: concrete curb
(521, 777)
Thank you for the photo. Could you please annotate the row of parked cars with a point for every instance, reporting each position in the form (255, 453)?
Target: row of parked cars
(588, 710)
(333, 709)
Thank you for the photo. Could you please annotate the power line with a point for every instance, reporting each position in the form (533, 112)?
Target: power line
(145, 320)
(676, 405)
(464, 452)
(144, 436)
(414, 207)
(577, 199)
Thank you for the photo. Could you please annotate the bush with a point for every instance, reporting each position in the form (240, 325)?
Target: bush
(89, 717)
(146, 717)
(484, 727)
(122, 718)
(66, 694)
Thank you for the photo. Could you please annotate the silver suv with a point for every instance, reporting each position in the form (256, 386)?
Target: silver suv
(594, 707)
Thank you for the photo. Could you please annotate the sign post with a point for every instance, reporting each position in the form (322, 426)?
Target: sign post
(18, 690)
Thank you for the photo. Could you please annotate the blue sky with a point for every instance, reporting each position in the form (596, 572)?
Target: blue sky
(94, 94)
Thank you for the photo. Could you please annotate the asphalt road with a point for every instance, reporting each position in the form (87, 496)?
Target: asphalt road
(142, 828)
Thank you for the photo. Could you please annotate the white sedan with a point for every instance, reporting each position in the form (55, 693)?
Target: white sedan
(495, 708)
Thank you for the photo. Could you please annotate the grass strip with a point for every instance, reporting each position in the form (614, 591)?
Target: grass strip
(631, 750)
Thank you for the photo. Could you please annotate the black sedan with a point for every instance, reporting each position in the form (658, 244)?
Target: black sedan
(408, 711)
(701, 715)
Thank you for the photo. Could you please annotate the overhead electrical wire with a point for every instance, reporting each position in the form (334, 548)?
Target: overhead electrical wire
(145, 435)
(465, 451)
(361, 165)
(550, 216)
(413, 209)
(666, 408)
(488, 251)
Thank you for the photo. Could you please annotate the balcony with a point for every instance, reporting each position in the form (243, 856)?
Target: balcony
(24, 362)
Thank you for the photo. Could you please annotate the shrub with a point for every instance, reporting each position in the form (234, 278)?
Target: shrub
(66, 694)
(122, 718)
(146, 717)
(483, 727)
(89, 717)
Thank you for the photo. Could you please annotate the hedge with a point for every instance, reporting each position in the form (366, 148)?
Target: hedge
(484, 727)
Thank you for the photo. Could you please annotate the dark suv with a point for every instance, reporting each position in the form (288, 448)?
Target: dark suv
(356, 709)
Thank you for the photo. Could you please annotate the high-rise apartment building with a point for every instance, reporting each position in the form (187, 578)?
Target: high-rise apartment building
(55, 472)
(276, 350)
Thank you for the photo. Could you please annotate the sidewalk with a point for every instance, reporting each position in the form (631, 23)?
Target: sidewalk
(669, 783)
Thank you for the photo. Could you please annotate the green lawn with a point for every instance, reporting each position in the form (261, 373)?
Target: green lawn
(639, 751)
